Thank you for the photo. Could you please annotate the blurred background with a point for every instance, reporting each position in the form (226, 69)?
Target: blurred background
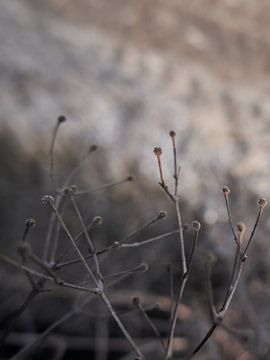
(125, 73)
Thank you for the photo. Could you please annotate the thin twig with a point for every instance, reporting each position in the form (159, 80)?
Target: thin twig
(108, 248)
(226, 192)
(105, 186)
(89, 241)
(60, 120)
(136, 302)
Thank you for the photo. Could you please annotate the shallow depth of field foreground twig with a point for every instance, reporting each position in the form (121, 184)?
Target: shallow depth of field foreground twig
(96, 281)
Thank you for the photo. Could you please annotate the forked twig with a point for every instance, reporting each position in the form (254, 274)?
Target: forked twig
(242, 256)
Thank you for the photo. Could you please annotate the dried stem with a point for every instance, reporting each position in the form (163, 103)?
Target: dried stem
(105, 186)
(60, 219)
(235, 281)
(89, 241)
(226, 192)
(176, 172)
(136, 302)
(60, 120)
(117, 245)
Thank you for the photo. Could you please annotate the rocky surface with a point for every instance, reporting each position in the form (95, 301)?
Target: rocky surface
(127, 72)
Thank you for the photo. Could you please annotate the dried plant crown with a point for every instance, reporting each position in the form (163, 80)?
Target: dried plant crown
(262, 203)
(47, 200)
(157, 151)
(226, 190)
(29, 223)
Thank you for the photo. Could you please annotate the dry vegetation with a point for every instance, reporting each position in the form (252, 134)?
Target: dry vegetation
(78, 283)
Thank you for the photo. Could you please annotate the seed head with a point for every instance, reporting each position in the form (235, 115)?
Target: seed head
(162, 215)
(136, 301)
(61, 119)
(262, 203)
(47, 200)
(196, 225)
(157, 151)
(226, 190)
(144, 267)
(172, 133)
(30, 223)
(98, 220)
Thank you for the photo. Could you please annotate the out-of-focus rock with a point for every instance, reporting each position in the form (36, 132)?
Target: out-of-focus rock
(125, 73)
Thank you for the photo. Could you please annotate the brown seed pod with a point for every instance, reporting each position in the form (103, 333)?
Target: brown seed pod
(47, 200)
(262, 203)
(157, 151)
(172, 133)
(226, 190)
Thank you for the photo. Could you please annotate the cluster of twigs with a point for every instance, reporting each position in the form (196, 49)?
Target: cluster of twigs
(41, 271)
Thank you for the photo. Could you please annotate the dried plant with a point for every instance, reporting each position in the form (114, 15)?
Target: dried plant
(41, 271)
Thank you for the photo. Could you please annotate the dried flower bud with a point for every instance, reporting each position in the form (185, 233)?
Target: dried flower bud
(144, 267)
(172, 133)
(47, 200)
(226, 190)
(61, 119)
(24, 248)
(157, 151)
(162, 215)
(196, 225)
(136, 301)
(98, 220)
(241, 227)
(130, 178)
(30, 223)
(262, 203)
